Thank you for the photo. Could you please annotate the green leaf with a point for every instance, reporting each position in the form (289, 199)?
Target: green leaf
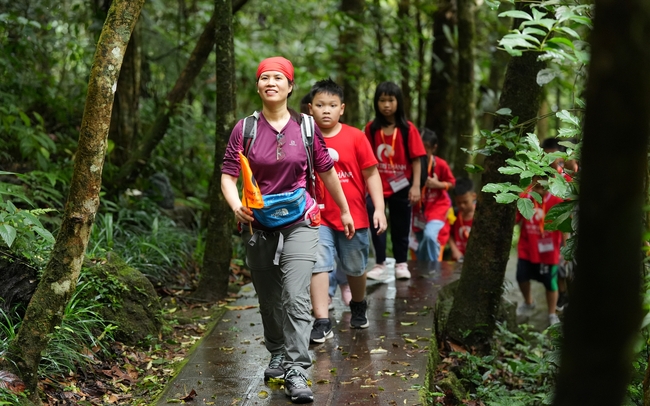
(472, 168)
(509, 170)
(512, 41)
(536, 196)
(25, 119)
(567, 117)
(516, 14)
(526, 208)
(514, 162)
(505, 198)
(526, 174)
(562, 41)
(8, 234)
(492, 188)
(582, 20)
(504, 112)
(545, 76)
(533, 31)
(569, 31)
(45, 234)
(547, 23)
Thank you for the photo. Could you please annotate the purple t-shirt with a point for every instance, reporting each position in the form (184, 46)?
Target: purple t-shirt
(273, 175)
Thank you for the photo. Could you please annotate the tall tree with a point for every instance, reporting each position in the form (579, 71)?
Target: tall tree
(59, 279)
(404, 35)
(464, 100)
(596, 355)
(215, 272)
(349, 58)
(481, 283)
(140, 155)
(443, 73)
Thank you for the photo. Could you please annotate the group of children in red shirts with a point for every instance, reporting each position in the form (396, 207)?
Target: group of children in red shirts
(381, 170)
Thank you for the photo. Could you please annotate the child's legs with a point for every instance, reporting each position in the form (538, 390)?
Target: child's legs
(378, 241)
(524, 270)
(353, 258)
(337, 278)
(320, 279)
(400, 224)
(548, 276)
(429, 247)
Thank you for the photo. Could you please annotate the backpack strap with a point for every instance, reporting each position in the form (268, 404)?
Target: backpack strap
(307, 130)
(250, 131)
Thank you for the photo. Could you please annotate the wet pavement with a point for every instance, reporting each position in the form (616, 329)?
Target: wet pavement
(384, 364)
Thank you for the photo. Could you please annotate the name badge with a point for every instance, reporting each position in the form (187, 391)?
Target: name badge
(398, 182)
(545, 245)
(418, 220)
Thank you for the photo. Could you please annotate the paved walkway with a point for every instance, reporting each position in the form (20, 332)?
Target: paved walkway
(381, 365)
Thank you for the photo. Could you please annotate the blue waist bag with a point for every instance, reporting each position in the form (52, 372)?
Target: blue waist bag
(281, 209)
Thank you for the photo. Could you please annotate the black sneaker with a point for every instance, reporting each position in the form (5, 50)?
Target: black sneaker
(562, 301)
(321, 331)
(359, 319)
(295, 386)
(275, 369)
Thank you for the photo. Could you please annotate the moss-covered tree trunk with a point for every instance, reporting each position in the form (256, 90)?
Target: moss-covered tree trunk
(59, 279)
(215, 272)
(125, 120)
(349, 58)
(472, 317)
(602, 324)
(464, 100)
(141, 154)
(404, 24)
(443, 75)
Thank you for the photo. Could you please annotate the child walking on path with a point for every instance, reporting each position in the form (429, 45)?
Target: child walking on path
(465, 200)
(398, 147)
(356, 167)
(538, 253)
(430, 215)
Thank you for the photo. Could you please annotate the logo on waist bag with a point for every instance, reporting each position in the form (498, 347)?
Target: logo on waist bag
(280, 213)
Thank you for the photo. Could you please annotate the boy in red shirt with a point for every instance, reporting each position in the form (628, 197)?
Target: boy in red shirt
(538, 253)
(465, 199)
(430, 216)
(356, 166)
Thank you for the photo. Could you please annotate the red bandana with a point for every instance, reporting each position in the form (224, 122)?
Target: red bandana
(276, 63)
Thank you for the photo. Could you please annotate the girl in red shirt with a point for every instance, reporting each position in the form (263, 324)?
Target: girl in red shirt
(398, 148)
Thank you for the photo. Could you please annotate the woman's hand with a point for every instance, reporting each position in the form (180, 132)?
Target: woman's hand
(244, 215)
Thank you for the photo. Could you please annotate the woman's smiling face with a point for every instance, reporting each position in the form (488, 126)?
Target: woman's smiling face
(273, 86)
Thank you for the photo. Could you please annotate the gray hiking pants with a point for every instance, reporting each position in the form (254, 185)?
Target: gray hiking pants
(283, 288)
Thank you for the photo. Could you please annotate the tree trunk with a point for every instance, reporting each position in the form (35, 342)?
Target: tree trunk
(379, 37)
(464, 99)
(125, 120)
(215, 272)
(439, 101)
(59, 279)
(596, 355)
(140, 155)
(419, 90)
(404, 22)
(349, 50)
(481, 282)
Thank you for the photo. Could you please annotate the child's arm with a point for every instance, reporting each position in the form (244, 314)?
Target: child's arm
(376, 192)
(414, 192)
(331, 181)
(455, 252)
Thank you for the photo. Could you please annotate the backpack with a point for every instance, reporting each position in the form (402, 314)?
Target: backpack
(307, 129)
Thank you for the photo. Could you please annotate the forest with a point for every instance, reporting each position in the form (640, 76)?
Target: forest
(114, 234)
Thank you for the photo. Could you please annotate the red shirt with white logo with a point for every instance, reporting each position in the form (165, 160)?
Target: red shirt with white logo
(351, 153)
(460, 232)
(389, 150)
(536, 244)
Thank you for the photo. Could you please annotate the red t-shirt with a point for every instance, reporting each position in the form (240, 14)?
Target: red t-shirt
(389, 150)
(351, 153)
(436, 201)
(536, 245)
(460, 232)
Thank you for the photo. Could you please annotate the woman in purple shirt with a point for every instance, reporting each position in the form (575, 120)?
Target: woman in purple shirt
(281, 258)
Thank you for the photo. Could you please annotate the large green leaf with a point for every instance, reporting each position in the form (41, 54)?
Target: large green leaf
(526, 207)
(506, 198)
(8, 234)
(516, 14)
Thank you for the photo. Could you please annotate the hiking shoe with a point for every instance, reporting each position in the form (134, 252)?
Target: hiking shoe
(295, 386)
(275, 369)
(346, 294)
(321, 331)
(358, 318)
(562, 301)
(525, 309)
(377, 273)
(553, 319)
(402, 271)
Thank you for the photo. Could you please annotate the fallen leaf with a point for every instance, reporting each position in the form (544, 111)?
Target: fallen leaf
(379, 351)
(263, 394)
(190, 396)
(408, 323)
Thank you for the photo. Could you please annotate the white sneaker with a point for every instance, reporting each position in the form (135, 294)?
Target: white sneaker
(378, 273)
(553, 319)
(402, 271)
(525, 309)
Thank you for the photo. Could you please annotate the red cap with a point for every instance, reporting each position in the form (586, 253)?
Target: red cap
(276, 63)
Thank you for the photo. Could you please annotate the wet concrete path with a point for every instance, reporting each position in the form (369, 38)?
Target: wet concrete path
(384, 364)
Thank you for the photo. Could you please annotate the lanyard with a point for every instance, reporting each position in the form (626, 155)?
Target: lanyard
(465, 232)
(392, 147)
(543, 206)
(430, 168)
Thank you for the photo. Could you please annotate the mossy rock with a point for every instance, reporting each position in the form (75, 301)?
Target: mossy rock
(453, 389)
(132, 303)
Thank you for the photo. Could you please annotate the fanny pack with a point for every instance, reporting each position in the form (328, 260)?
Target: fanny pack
(281, 209)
